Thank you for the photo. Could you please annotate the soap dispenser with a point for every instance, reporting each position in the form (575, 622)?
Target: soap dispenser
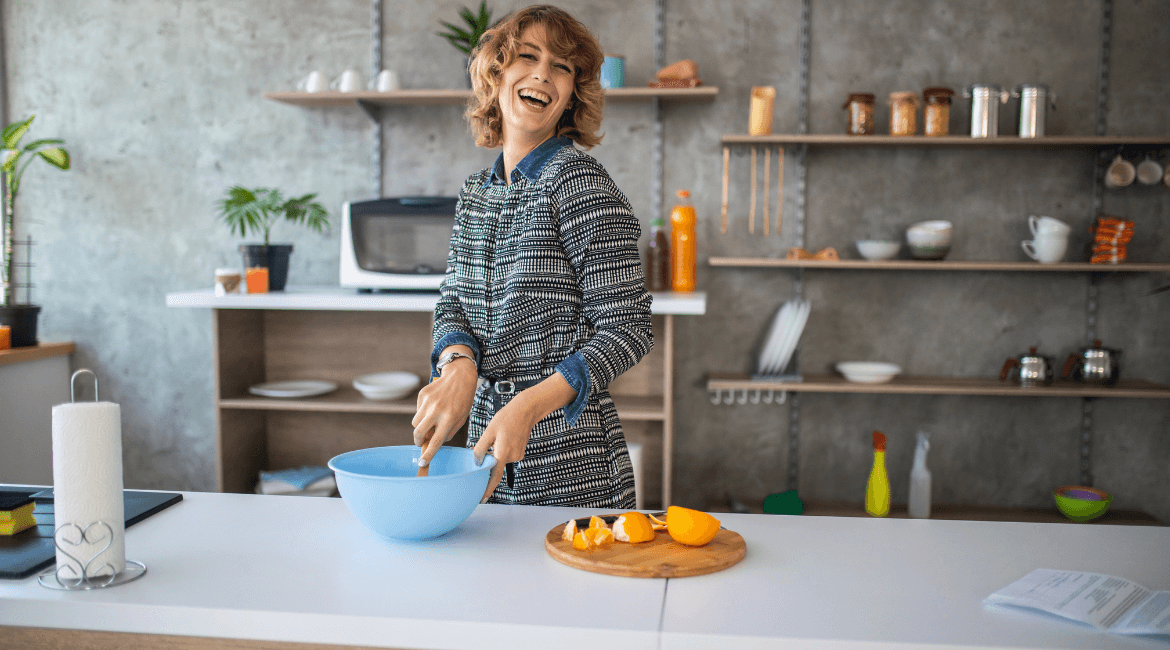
(920, 480)
(877, 489)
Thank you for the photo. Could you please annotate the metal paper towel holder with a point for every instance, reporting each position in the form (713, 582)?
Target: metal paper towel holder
(96, 579)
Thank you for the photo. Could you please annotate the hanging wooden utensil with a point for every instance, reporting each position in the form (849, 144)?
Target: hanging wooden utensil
(780, 190)
(726, 155)
(752, 212)
(767, 175)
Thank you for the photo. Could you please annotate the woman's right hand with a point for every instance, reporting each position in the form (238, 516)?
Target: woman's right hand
(443, 407)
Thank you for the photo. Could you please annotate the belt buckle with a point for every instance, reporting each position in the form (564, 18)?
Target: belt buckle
(511, 389)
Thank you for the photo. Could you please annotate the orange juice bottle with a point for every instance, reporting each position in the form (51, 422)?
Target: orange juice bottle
(682, 244)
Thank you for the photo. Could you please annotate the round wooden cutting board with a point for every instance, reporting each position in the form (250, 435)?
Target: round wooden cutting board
(660, 558)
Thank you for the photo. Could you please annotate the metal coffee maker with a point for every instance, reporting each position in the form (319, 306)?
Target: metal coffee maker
(1032, 369)
(1095, 365)
(985, 101)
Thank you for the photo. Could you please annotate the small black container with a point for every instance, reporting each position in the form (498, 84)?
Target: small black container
(23, 321)
(273, 257)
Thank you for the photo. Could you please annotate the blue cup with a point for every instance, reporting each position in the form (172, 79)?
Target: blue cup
(613, 72)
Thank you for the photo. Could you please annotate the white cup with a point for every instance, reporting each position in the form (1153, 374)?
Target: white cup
(1120, 173)
(313, 83)
(1046, 249)
(1149, 172)
(1047, 225)
(385, 82)
(347, 82)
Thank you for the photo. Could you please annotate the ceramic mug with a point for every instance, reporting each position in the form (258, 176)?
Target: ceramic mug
(346, 82)
(1120, 173)
(313, 83)
(385, 82)
(1046, 249)
(1047, 225)
(1149, 172)
(613, 71)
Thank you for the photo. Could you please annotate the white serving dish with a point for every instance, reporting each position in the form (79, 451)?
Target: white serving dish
(875, 249)
(293, 389)
(386, 385)
(868, 372)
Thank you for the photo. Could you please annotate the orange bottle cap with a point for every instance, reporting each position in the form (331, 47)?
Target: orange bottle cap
(879, 441)
(683, 193)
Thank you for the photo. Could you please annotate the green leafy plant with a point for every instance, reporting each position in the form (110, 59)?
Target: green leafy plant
(13, 171)
(466, 39)
(258, 210)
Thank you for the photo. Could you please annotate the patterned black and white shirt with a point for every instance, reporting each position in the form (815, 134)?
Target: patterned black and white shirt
(544, 276)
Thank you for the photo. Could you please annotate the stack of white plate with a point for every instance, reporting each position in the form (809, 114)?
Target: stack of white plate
(386, 385)
(868, 372)
(787, 327)
(293, 389)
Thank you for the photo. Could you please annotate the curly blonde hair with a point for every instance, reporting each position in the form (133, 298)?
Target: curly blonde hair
(568, 39)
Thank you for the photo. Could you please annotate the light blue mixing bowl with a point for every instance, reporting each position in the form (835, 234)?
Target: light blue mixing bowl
(380, 488)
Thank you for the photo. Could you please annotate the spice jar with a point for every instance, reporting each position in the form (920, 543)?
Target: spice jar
(860, 107)
(937, 114)
(904, 112)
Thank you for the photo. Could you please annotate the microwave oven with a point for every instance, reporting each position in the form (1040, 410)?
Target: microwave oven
(396, 244)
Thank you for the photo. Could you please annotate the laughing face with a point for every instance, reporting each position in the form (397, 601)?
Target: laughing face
(536, 89)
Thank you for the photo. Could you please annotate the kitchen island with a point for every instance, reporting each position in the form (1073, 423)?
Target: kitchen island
(269, 571)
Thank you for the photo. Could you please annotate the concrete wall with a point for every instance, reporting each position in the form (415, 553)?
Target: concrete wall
(160, 104)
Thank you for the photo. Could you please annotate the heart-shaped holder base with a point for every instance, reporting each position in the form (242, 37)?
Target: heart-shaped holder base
(99, 578)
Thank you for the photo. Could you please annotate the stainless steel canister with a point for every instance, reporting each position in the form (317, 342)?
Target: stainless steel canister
(1034, 101)
(985, 101)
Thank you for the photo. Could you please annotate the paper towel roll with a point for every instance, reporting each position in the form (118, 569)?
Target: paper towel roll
(87, 487)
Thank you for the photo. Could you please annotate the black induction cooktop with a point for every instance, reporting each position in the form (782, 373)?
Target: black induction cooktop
(31, 550)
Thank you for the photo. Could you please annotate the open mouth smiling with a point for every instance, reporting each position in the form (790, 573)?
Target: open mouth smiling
(534, 98)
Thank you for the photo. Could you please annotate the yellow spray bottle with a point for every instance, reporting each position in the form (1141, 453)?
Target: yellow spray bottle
(877, 490)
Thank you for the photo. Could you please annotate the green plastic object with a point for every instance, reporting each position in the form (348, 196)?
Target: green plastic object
(785, 503)
(1081, 503)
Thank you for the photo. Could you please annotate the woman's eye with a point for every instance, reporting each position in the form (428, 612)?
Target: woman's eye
(527, 56)
(564, 67)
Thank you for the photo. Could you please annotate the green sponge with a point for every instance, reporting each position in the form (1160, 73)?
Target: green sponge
(785, 503)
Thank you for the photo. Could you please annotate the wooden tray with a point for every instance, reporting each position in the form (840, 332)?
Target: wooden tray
(660, 558)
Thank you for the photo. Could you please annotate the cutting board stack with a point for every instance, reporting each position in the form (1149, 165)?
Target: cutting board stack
(1110, 236)
(16, 513)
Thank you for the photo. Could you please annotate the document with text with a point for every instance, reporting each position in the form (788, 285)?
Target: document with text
(1107, 602)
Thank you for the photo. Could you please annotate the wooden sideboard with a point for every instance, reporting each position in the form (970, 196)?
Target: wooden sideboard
(335, 334)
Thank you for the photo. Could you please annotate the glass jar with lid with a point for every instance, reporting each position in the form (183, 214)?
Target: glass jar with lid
(860, 107)
(937, 114)
(903, 112)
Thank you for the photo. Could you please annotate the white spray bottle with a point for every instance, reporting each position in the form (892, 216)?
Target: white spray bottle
(920, 481)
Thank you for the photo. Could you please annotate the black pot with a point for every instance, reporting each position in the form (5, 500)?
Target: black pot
(23, 321)
(273, 257)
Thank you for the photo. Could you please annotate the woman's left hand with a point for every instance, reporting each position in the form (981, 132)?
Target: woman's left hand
(510, 428)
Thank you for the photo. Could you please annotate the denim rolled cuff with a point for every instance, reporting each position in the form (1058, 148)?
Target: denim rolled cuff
(453, 338)
(576, 372)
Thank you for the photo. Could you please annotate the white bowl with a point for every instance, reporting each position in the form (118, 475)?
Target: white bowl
(386, 385)
(875, 249)
(935, 234)
(868, 372)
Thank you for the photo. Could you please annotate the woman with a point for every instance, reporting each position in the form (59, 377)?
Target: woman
(544, 295)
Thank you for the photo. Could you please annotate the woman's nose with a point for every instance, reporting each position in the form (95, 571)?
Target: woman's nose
(542, 72)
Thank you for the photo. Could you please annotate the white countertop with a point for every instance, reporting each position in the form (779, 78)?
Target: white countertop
(337, 298)
(300, 569)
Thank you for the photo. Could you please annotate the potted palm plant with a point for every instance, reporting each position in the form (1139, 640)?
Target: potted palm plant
(465, 40)
(21, 317)
(256, 211)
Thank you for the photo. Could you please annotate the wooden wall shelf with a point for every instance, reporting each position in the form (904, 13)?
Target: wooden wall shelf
(941, 265)
(911, 385)
(451, 96)
(34, 352)
(999, 142)
(348, 400)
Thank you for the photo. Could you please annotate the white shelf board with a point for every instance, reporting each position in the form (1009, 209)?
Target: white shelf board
(331, 298)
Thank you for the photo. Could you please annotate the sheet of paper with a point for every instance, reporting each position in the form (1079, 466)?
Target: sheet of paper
(1150, 617)
(1093, 598)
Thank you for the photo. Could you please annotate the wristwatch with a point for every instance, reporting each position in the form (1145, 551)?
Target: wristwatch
(448, 358)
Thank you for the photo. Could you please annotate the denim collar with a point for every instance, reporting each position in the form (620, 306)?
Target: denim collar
(532, 164)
